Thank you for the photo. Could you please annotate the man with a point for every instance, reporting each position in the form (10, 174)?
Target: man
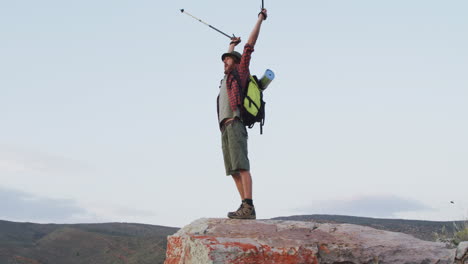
(234, 134)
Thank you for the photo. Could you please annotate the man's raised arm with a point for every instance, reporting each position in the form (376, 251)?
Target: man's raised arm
(256, 30)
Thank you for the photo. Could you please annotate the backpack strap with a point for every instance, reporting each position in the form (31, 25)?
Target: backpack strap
(259, 83)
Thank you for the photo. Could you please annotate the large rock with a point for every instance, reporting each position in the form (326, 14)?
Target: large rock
(462, 253)
(287, 242)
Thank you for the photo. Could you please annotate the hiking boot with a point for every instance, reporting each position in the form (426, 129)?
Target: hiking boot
(237, 211)
(245, 211)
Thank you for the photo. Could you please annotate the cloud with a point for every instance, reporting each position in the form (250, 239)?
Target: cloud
(20, 206)
(370, 206)
(17, 160)
(111, 212)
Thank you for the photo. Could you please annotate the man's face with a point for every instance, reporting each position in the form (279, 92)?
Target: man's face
(229, 64)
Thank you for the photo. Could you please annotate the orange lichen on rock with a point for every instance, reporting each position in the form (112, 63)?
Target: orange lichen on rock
(174, 250)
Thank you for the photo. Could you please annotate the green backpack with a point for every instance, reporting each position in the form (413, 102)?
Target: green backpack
(252, 109)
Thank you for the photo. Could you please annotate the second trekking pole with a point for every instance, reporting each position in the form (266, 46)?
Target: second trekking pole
(183, 11)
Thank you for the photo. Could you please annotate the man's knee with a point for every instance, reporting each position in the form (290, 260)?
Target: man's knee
(244, 172)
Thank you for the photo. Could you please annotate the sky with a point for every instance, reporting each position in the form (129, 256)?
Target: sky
(108, 110)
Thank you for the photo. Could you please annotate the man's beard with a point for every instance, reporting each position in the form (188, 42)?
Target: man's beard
(229, 69)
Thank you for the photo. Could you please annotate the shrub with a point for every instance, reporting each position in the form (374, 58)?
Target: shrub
(461, 233)
(452, 238)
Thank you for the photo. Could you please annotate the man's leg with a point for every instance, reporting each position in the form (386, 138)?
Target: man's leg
(240, 164)
(243, 182)
(240, 187)
(246, 181)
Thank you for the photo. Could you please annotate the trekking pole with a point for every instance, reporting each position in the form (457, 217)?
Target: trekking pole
(183, 11)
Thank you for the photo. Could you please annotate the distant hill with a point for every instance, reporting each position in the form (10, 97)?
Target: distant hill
(424, 230)
(108, 243)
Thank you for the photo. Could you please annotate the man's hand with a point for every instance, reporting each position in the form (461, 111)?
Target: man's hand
(235, 41)
(263, 13)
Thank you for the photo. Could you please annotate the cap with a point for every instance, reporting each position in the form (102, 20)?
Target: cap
(236, 55)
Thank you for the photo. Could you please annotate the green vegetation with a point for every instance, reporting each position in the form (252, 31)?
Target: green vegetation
(109, 243)
(453, 237)
(462, 234)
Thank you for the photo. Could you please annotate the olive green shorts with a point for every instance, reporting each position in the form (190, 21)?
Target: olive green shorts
(234, 144)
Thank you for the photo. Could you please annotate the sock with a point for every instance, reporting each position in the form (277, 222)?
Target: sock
(249, 201)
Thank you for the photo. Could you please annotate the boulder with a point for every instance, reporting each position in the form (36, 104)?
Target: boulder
(462, 253)
(211, 240)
